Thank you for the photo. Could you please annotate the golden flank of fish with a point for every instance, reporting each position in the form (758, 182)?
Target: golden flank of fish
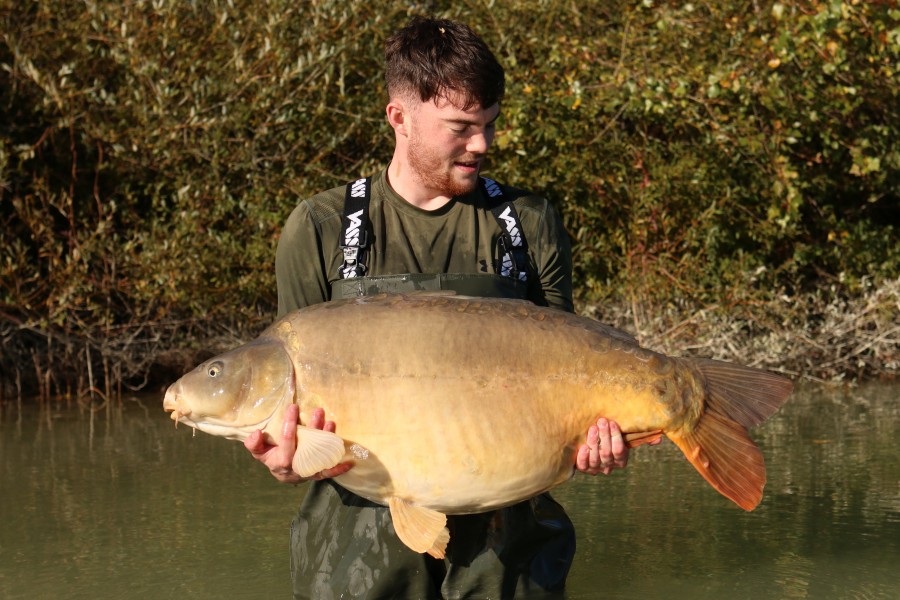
(453, 405)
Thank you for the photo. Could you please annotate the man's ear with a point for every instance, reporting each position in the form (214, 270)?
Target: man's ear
(398, 117)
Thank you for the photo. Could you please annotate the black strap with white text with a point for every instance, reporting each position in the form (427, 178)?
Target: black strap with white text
(354, 224)
(513, 250)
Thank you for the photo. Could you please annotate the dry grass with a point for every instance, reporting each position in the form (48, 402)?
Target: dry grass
(821, 336)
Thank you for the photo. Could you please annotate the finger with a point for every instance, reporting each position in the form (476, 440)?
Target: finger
(594, 445)
(283, 454)
(619, 449)
(291, 419)
(582, 459)
(329, 426)
(252, 442)
(334, 471)
(317, 420)
(605, 441)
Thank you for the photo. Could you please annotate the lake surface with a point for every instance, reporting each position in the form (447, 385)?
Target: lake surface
(131, 507)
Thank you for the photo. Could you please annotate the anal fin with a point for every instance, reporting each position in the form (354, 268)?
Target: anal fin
(421, 529)
(316, 450)
(638, 438)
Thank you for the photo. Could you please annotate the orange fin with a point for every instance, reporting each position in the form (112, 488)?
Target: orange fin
(749, 396)
(719, 446)
(638, 438)
(723, 453)
(422, 529)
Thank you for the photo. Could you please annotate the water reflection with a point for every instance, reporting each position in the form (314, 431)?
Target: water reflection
(131, 506)
(827, 527)
(148, 510)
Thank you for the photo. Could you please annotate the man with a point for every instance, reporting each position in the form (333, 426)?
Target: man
(428, 222)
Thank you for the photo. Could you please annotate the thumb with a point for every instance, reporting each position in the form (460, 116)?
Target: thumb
(253, 442)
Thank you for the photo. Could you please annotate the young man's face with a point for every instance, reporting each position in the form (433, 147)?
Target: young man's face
(447, 145)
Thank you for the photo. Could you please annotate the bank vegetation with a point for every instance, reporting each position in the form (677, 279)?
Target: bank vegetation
(728, 171)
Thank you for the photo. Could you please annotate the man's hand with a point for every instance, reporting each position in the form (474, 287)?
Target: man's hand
(605, 449)
(278, 457)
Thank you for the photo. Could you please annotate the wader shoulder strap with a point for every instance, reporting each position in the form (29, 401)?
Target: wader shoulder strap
(354, 225)
(513, 250)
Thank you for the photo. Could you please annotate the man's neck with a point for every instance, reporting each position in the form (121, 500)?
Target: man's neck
(404, 181)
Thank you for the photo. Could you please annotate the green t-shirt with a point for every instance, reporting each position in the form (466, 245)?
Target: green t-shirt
(460, 237)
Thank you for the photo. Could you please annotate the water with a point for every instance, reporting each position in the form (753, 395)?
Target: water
(133, 507)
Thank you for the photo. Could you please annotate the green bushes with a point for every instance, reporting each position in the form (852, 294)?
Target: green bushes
(707, 140)
(721, 154)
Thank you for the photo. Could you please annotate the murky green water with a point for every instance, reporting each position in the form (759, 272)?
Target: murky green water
(133, 508)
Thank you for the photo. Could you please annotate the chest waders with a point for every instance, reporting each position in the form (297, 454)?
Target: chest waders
(509, 280)
(343, 546)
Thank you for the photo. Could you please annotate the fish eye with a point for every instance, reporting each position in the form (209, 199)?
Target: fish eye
(215, 369)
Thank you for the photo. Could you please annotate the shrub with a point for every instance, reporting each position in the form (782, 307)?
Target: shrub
(714, 154)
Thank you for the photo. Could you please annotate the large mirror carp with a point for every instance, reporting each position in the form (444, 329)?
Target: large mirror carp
(454, 405)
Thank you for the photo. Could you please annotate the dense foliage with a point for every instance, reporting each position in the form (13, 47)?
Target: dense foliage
(706, 156)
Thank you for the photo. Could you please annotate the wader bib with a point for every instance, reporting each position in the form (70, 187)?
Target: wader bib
(510, 279)
(343, 546)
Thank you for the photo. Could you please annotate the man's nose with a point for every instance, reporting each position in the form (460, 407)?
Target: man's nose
(480, 142)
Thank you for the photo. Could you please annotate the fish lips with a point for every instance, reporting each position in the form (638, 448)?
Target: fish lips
(175, 403)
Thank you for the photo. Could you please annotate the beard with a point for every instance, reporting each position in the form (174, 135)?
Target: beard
(432, 171)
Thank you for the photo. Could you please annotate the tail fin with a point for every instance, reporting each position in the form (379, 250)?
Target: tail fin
(719, 447)
(749, 396)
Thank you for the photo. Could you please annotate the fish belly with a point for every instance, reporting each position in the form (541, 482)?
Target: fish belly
(456, 450)
(467, 408)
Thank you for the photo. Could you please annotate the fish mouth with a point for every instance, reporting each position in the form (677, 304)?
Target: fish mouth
(171, 404)
(219, 427)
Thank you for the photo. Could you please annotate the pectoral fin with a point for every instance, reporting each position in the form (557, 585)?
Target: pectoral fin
(422, 529)
(316, 450)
